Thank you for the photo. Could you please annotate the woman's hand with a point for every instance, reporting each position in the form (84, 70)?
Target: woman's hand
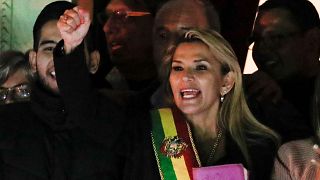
(73, 26)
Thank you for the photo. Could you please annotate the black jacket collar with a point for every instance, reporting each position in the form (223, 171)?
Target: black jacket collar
(49, 108)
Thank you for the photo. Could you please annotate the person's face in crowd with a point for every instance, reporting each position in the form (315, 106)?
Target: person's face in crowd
(92, 58)
(128, 35)
(17, 78)
(42, 60)
(196, 79)
(279, 48)
(172, 20)
(15, 88)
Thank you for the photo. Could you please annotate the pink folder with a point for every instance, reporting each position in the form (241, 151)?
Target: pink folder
(221, 172)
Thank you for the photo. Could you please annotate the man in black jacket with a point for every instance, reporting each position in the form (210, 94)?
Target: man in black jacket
(286, 50)
(52, 138)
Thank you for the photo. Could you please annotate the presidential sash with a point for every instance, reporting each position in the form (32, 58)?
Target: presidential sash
(172, 146)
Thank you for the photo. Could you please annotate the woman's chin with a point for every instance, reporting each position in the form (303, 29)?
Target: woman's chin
(189, 110)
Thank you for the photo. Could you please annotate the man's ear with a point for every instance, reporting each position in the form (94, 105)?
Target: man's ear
(33, 61)
(228, 83)
(94, 62)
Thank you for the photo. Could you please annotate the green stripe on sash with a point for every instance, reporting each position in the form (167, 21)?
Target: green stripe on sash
(164, 127)
(158, 135)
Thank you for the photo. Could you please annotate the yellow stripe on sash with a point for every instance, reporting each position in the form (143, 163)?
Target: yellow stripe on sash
(169, 129)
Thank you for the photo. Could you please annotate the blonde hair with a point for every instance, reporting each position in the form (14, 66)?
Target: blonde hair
(234, 114)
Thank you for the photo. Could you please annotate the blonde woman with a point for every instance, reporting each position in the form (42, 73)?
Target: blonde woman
(301, 159)
(210, 123)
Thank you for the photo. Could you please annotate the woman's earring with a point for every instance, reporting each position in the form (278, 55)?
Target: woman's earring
(222, 96)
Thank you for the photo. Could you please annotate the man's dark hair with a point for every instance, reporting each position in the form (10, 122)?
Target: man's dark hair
(149, 5)
(213, 15)
(302, 12)
(52, 11)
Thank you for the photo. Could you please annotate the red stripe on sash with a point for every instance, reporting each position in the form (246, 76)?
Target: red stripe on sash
(182, 131)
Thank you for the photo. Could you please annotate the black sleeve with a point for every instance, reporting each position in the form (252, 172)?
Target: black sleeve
(283, 118)
(98, 116)
(74, 83)
(262, 154)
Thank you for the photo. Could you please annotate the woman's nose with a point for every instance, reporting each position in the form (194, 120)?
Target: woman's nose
(188, 76)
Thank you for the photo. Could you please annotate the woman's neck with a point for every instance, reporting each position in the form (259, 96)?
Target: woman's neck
(205, 135)
(204, 125)
(204, 132)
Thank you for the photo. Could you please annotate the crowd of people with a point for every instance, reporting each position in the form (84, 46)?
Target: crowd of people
(173, 104)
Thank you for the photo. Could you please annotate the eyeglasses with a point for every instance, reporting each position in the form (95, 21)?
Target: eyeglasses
(272, 40)
(119, 16)
(15, 94)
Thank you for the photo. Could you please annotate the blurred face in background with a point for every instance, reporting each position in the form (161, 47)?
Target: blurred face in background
(16, 88)
(173, 20)
(128, 33)
(280, 47)
(18, 77)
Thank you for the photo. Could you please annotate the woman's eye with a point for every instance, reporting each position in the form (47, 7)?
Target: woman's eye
(177, 68)
(201, 67)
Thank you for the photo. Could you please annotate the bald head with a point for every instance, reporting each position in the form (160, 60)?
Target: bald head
(177, 16)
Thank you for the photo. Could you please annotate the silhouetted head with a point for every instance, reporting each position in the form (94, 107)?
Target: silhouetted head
(175, 17)
(287, 39)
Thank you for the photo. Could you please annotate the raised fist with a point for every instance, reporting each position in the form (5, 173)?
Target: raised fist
(73, 26)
